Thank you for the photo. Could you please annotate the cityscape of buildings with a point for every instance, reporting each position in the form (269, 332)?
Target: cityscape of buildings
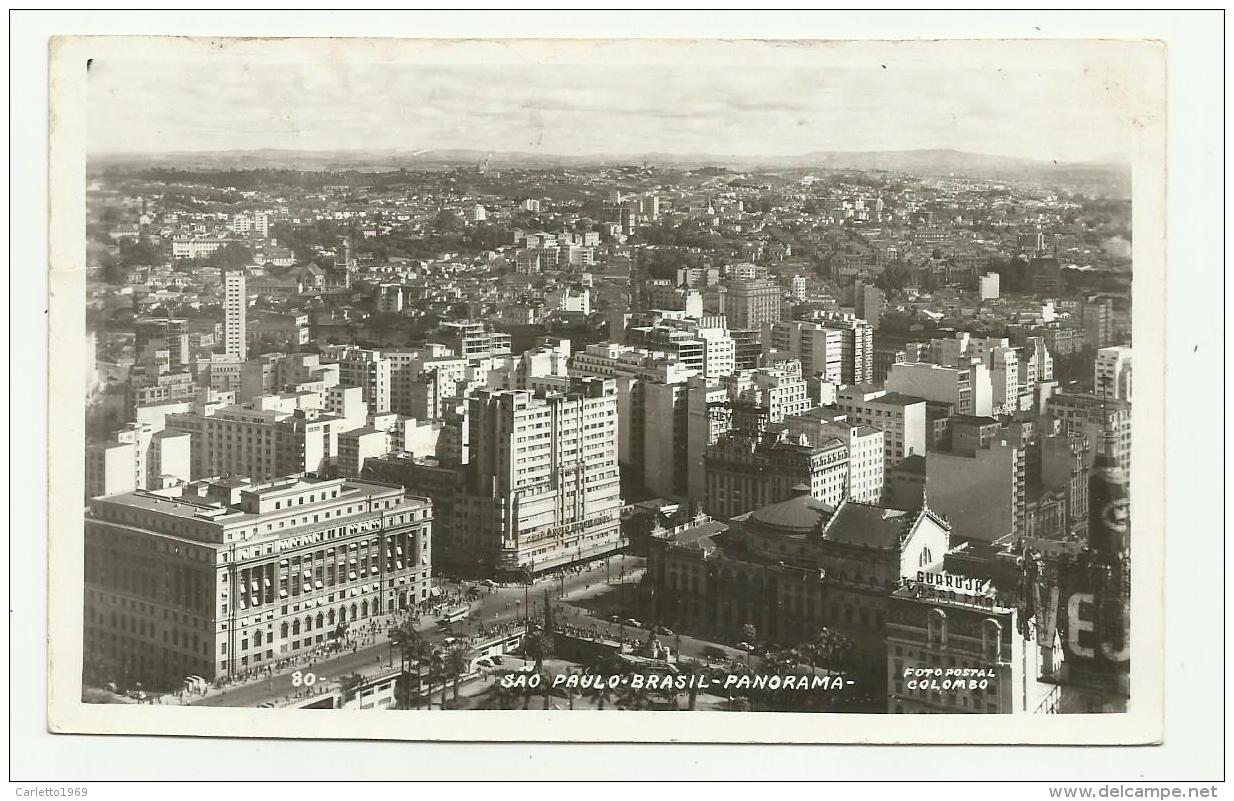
(416, 432)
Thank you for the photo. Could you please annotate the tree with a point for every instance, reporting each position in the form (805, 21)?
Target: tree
(412, 648)
(749, 633)
(447, 223)
(501, 696)
(438, 662)
(231, 256)
(894, 278)
(139, 253)
(831, 649)
(602, 693)
(539, 645)
(456, 663)
(349, 686)
(382, 323)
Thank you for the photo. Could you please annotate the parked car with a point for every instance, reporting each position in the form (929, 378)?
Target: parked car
(745, 646)
(484, 662)
(497, 660)
(665, 630)
(614, 618)
(632, 622)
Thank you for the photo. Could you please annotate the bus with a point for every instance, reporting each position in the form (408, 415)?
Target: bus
(454, 616)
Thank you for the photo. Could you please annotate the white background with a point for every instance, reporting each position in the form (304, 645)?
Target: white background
(1195, 504)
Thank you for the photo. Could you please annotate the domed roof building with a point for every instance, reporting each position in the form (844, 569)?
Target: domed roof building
(790, 569)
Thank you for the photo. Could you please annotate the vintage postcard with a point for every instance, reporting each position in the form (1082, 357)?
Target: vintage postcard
(534, 390)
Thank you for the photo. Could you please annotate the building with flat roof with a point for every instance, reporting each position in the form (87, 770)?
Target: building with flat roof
(856, 344)
(966, 386)
(866, 448)
(542, 486)
(819, 348)
(224, 577)
(752, 303)
(1112, 373)
(470, 339)
(235, 311)
(901, 418)
(744, 472)
(1093, 416)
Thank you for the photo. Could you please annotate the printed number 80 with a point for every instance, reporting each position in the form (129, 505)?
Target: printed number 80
(303, 679)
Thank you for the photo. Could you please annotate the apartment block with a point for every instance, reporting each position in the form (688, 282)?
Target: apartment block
(901, 418)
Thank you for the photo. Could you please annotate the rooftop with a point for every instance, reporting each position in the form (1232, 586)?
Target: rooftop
(898, 399)
(798, 515)
(869, 525)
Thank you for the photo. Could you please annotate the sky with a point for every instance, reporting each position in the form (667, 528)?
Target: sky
(1040, 108)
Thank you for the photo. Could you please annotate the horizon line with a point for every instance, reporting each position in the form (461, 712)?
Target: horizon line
(1107, 160)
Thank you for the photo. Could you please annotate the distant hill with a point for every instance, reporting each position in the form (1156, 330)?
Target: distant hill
(911, 161)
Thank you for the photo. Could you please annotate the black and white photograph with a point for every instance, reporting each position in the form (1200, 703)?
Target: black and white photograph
(531, 389)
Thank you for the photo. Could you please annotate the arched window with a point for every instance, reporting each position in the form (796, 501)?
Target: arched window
(295, 627)
(926, 558)
(330, 617)
(321, 620)
(342, 614)
(308, 624)
(364, 609)
(283, 630)
(938, 627)
(991, 638)
(257, 635)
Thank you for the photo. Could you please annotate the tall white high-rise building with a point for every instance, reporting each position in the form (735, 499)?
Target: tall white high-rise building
(989, 286)
(819, 348)
(235, 307)
(542, 488)
(1112, 373)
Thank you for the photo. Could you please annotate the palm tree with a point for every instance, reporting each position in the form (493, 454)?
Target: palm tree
(407, 640)
(691, 670)
(456, 664)
(434, 660)
(501, 696)
(631, 697)
(422, 654)
(602, 694)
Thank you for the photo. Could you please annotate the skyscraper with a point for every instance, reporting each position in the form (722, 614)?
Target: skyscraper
(542, 488)
(235, 303)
